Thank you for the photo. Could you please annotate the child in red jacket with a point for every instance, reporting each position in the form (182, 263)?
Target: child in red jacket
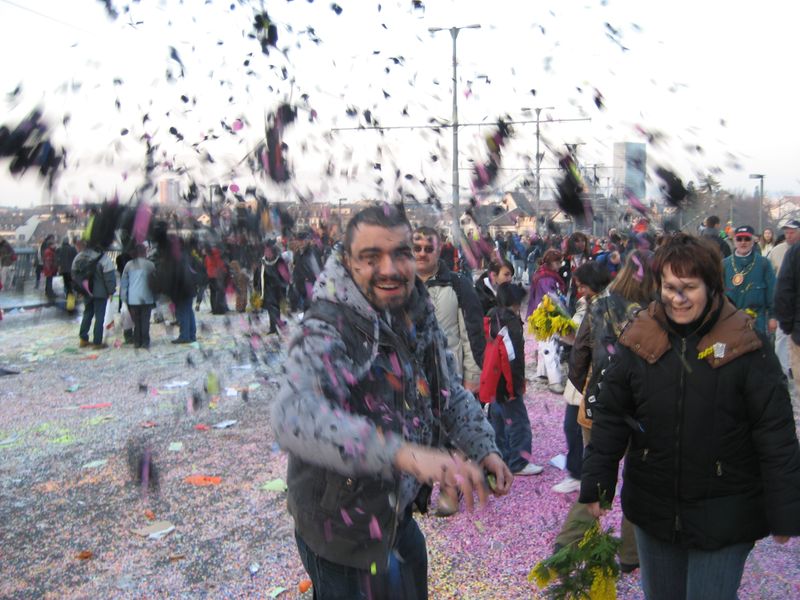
(508, 414)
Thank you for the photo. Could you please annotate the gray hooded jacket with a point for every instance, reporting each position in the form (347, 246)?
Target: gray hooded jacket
(356, 388)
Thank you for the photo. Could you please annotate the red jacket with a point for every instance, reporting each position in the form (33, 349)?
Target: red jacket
(49, 266)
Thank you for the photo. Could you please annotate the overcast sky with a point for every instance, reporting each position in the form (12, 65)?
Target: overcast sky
(711, 81)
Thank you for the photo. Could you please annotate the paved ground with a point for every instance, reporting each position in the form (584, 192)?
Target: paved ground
(13, 299)
(74, 425)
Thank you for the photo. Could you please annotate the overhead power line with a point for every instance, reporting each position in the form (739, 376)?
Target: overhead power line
(44, 16)
(448, 125)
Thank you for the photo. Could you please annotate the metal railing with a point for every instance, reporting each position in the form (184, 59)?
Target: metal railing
(24, 269)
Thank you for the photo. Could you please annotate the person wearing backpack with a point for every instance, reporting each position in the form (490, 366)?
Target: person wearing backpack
(94, 276)
(507, 413)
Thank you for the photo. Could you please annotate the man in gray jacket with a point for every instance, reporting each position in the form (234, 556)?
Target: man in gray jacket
(368, 380)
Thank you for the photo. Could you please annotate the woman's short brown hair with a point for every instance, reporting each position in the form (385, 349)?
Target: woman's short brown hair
(690, 256)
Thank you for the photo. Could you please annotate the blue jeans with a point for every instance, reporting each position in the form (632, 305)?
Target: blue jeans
(512, 430)
(184, 314)
(574, 435)
(406, 578)
(671, 572)
(93, 308)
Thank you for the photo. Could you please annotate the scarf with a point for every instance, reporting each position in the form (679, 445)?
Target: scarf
(543, 272)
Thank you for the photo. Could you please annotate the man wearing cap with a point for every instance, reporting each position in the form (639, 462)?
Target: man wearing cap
(791, 233)
(750, 280)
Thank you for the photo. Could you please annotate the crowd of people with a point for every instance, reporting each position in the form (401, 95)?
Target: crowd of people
(167, 279)
(408, 371)
(393, 386)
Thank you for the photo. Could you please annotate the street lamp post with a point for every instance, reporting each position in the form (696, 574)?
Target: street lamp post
(538, 164)
(456, 211)
(760, 176)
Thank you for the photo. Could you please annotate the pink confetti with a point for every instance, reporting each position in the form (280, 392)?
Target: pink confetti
(349, 377)
(375, 529)
(346, 518)
(237, 125)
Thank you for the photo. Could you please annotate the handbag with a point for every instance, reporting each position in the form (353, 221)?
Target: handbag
(125, 318)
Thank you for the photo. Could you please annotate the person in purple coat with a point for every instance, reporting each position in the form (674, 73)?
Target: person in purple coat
(546, 280)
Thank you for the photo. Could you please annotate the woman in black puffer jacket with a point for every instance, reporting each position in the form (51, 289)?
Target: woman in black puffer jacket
(714, 462)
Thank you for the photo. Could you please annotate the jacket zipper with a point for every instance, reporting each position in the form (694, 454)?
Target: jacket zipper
(679, 418)
(395, 516)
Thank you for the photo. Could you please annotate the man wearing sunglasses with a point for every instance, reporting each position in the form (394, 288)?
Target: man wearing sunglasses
(456, 303)
(750, 280)
(460, 316)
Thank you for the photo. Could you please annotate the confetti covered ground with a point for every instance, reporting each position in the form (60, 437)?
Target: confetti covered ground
(73, 423)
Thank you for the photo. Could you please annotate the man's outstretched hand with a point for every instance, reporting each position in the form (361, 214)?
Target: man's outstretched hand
(431, 466)
(494, 465)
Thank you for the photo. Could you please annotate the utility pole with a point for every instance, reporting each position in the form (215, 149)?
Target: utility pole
(760, 176)
(456, 209)
(730, 201)
(538, 163)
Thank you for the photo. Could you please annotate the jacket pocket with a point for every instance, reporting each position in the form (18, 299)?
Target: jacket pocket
(338, 491)
(735, 474)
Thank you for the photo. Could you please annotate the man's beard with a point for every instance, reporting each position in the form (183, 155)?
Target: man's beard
(399, 302)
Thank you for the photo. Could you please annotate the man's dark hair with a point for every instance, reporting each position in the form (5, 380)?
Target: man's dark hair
(384, 215)
(712, 221)
(593, 275)
(510, 294)
(690, 256)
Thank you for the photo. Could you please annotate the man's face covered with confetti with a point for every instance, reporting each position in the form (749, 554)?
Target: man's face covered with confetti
(381, 263)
